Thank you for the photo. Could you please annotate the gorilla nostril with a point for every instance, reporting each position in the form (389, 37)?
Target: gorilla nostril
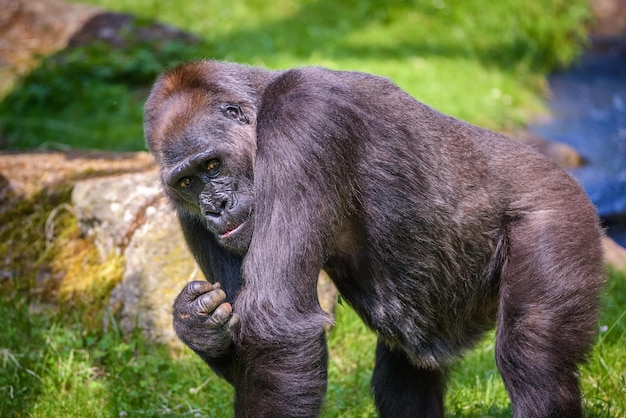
(215, 211)
(212, 213)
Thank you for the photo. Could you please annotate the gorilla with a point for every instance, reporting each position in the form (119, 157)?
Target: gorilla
(432, 229)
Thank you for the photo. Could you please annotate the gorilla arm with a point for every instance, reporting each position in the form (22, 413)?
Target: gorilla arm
(202, 311)
(298, 206)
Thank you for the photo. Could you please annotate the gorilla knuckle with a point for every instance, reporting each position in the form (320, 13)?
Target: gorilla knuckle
(222, 313)
(198, 287)
(208, 302)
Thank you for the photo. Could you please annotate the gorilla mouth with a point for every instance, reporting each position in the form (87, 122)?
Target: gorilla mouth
(234, 230)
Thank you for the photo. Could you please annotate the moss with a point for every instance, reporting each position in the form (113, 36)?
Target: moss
(87, 280)
(23, 243)
(47, 259)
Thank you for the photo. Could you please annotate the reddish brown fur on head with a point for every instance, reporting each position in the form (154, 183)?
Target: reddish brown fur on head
(186, 91)
(176, 98)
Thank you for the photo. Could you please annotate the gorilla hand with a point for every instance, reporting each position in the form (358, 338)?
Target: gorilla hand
(203, 319)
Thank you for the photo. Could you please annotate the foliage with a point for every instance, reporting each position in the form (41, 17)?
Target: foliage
(88, 97)
(481, 61)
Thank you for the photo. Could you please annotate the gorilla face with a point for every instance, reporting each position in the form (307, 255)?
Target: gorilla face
(207, 166)
(201, 130)
(210, 190)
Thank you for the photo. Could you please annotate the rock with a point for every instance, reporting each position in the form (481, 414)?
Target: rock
(38, 27)
(29, 173)
(158, 265)
(614, 254)
(109, 209)
(562, 153)
(122, 30)
(609, 18)
(33, 28)
(128, 214)
(32, 187)
(327, 293)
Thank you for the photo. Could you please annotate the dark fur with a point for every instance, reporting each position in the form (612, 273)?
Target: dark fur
(431, 229)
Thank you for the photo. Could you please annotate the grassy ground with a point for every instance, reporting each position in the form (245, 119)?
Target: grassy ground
(481, 61)
(50, 366)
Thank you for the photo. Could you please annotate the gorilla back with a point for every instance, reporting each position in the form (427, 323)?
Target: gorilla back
(432, 229)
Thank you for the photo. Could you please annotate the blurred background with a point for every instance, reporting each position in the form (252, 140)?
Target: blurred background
(84, 72)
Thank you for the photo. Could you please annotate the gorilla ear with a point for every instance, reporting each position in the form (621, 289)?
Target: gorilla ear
(234, 111)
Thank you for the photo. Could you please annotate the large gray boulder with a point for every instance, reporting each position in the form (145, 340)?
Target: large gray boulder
(158, 266)
(109, 208)
(128, 215)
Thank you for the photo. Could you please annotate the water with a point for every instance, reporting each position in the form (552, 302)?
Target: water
(589, 113)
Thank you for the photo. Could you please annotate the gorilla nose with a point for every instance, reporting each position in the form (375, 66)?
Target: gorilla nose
(214, 210)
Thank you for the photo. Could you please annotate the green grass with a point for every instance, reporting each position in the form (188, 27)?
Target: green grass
(50, 366)
(481, 61)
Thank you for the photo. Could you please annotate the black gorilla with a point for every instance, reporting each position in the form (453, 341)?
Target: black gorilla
(432, 229)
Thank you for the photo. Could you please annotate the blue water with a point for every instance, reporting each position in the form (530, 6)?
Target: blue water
(589, 113)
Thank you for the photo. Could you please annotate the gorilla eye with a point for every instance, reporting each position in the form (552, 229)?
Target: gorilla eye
(234, 111)
(185, 182)
(212, 167)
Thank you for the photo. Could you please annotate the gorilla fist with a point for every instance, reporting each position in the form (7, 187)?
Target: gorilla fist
(203, 319)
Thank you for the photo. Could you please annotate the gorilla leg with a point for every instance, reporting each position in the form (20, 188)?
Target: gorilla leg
(547, 315)
(403, 390)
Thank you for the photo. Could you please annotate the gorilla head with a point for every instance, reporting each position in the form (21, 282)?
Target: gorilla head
(203, 134)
